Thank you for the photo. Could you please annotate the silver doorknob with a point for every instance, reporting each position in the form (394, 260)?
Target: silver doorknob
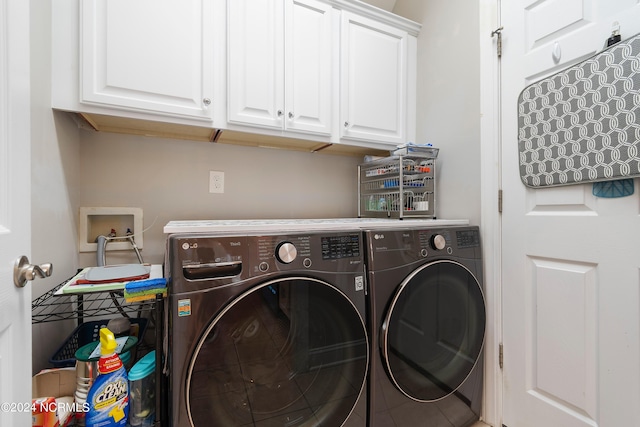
(206, 101)
(24, 272)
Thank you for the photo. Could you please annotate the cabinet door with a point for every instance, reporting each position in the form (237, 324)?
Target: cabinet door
(149, 55)
(256, 62)
(309, 66)
(374, 80)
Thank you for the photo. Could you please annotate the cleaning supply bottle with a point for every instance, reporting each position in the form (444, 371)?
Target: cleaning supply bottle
(108, 397)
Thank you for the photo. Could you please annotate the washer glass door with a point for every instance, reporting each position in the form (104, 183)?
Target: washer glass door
(434, 330)
(289, 352)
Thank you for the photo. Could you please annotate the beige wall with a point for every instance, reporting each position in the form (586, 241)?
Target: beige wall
(448, 98)
(169, 180)
(55, 174)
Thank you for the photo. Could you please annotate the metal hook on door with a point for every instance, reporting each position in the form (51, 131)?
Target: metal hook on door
(24, 272)
(498, 32)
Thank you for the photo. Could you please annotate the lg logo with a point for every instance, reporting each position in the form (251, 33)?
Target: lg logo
(186, 246)
(378, 236)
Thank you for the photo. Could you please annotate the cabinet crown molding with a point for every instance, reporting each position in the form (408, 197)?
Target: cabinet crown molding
(380, 15)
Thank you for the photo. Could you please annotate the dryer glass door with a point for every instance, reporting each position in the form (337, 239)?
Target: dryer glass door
(434, 330)
(289, 352)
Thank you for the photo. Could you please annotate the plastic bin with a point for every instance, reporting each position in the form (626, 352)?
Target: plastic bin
(142, 389)
(86, 333)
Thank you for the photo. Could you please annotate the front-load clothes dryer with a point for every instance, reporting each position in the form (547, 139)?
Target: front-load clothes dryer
(267, 329)
(427, 314)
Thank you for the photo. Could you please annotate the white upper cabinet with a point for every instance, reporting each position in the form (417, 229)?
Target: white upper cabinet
(280, 65)
(147, 56)
(377, 81)
(309, 66)
(324, 73)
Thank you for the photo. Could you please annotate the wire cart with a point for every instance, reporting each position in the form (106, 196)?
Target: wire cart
(52, 307)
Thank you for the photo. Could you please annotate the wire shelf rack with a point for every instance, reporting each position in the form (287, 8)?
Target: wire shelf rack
(397, 186)
(51, 307)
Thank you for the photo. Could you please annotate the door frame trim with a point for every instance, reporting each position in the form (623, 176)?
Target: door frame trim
(490, 142)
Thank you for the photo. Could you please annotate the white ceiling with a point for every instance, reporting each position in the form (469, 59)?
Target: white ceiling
(382, 4)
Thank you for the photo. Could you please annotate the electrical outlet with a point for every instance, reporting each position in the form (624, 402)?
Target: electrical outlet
(216, 182)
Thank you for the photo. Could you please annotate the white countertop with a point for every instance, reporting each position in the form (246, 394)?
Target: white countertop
(200, 226)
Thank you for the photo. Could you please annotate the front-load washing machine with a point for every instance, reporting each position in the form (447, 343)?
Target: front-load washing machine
(427, 314)
(267, 329)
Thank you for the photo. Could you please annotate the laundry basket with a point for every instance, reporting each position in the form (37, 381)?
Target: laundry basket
(86, 333)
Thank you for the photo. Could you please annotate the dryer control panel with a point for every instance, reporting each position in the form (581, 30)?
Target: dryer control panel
(448, 240)
(403, 246)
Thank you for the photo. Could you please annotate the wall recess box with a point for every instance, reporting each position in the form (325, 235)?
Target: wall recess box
(98, 220)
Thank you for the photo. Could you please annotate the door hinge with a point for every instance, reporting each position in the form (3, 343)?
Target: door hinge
(498, 32)
(499, 201)
(615, 35)
(500, 356)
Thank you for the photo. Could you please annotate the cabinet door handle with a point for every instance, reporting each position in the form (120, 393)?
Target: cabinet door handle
(346, 124)
(279, 113)
(206, 102)
(291, 114)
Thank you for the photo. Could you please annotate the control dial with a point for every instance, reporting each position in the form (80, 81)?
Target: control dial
(438, 242)
(286, 252)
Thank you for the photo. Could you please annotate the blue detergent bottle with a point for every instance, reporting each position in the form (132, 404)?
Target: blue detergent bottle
(108, 397)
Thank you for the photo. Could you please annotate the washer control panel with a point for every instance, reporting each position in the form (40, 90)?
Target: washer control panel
(280, 250)
(205, 253)
(342, 246)
(201, 261)
(305, 251)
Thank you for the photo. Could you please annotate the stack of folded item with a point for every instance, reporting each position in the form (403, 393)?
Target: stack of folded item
(141, 290)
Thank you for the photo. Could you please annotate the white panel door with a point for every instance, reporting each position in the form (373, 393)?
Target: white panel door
(373, 80)
(571, 261)
(148, 55)
(15, 213)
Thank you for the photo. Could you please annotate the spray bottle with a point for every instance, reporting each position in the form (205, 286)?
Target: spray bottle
(108, 397)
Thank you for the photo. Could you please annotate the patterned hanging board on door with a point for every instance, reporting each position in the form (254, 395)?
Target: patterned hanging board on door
(583, 124)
